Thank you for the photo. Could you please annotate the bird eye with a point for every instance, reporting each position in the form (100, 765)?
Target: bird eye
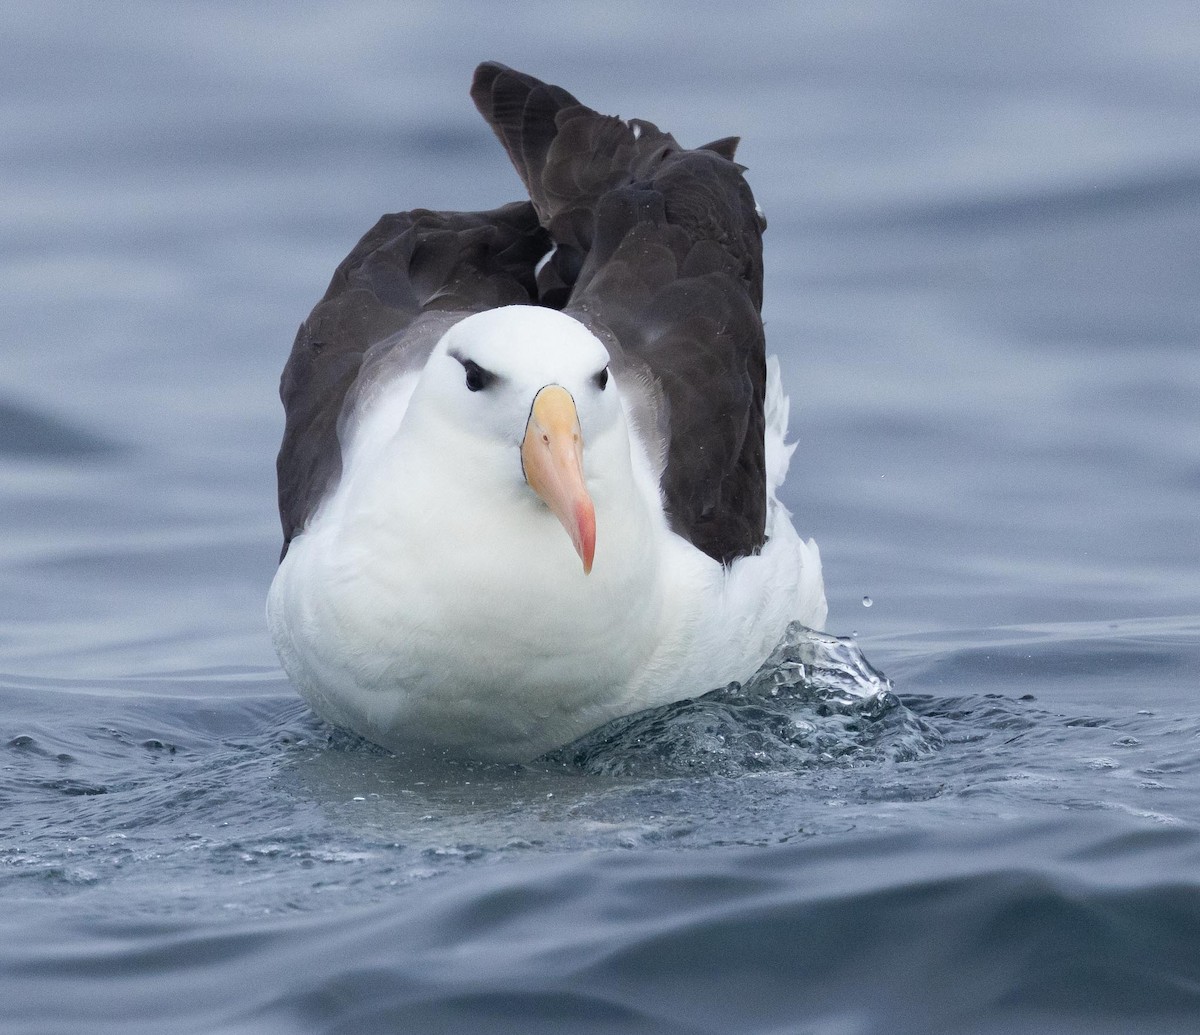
(477, 378)
(601, 379)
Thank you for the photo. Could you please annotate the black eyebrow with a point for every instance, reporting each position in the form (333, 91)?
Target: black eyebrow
(478, 378)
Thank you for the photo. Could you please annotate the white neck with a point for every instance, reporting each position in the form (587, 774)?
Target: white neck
(409, 566)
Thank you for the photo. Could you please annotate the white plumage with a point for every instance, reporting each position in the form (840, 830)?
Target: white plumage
(434, 601)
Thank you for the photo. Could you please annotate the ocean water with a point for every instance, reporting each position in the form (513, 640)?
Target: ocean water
(974, 808)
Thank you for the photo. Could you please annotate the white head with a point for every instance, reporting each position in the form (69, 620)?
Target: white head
(528, 388)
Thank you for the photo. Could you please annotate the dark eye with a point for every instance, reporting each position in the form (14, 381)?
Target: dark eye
(477, 378)
(601, 379)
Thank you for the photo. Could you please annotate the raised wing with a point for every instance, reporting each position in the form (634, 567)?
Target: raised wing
(659, 249)
(408, 265)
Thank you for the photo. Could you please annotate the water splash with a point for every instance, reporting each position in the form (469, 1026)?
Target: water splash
(816, 701)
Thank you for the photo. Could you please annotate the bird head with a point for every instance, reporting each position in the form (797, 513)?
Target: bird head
(531, 388)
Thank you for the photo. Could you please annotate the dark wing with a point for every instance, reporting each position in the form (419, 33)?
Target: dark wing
(408, 265)
(666, 246)
(546, 132)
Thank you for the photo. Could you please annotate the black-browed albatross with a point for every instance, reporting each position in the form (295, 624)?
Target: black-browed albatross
(529, 471)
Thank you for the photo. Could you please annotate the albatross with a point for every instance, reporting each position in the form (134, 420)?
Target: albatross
(529, 472)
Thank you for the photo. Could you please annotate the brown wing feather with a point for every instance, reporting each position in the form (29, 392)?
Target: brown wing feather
(409, 264)
(568, 157)
(657, 247)
(666, 250)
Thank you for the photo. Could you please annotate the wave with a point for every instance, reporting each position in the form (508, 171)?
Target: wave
(1066, 927)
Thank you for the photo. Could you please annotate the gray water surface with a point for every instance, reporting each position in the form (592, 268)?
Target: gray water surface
(983, 259)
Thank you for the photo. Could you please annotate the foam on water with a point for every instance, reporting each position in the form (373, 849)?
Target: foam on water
(160, 834)
(815, 701)
(223, 787)
(221, 781)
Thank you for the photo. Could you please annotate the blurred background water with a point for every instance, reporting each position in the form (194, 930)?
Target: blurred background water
(983, 265)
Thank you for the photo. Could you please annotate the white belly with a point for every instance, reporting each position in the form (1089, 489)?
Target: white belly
(423, 609)
(416, 630)
(507, 668)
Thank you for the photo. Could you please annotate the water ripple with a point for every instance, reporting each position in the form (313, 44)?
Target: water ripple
(815, 701)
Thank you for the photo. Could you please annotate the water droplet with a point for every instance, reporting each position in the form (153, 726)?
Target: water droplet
(867, 601)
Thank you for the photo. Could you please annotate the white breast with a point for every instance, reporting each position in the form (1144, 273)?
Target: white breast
(422, 608)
